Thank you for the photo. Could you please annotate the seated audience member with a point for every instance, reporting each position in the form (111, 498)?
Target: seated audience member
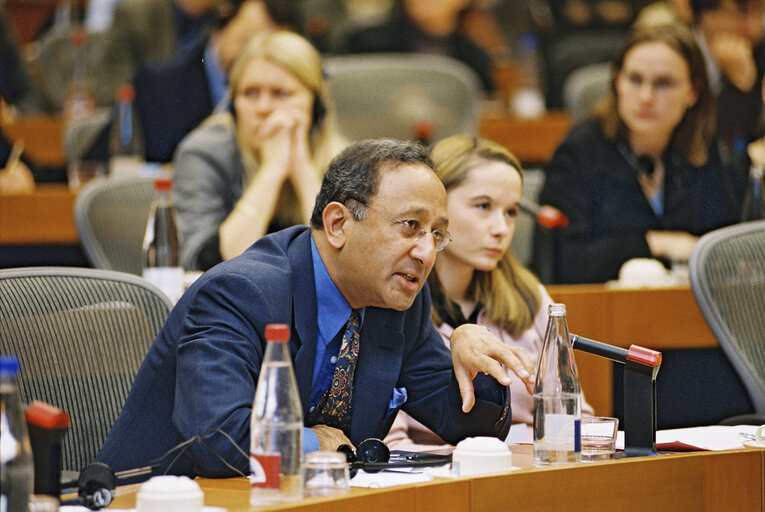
(666, 11)
(642, 177)
(426, 26)
(379, 219)
(174, 96)
(476, 278)
(730, 35)
(144, 31)
(16, 86)
(256, 167)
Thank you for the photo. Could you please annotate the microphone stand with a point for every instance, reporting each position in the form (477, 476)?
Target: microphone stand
(641, 366)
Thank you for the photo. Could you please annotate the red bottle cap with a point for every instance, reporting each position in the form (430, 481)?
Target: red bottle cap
(125, 93)
(79, 37)
(47, 416)
(279, 333)
(163, 184)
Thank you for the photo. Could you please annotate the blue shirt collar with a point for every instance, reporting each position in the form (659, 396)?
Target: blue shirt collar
(216, 78)
(332, 310)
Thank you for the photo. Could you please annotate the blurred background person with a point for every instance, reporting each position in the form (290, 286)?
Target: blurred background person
(730, 35)
(174, 96)
(476, 279)
(144, 31)
(642, 177)
(426, 26)
(258, 166)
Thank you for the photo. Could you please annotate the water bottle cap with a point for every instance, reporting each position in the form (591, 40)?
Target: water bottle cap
(557, 309)
(278, 332)
(528, 39)
(125, 93)
(163, 184)
(9, 366)
(79, 37)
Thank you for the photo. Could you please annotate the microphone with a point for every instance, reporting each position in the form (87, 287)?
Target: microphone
(546, 216)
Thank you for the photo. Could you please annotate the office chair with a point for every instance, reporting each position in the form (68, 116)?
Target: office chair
(522, 244)
(403, 95)
(80, 336)
(728, 280)
(584, 87)
(111, 215)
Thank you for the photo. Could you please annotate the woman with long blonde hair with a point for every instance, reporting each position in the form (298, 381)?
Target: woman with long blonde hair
(256, 167)
(476, 279)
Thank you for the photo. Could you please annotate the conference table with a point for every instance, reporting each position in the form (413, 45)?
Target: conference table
(694, 481)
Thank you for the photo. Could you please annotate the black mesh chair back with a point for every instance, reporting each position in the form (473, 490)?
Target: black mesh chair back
(111, 215)
(728, 280)
(403, 95)
(80, 336)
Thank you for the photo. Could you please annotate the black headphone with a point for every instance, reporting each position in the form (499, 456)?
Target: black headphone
(373, 456)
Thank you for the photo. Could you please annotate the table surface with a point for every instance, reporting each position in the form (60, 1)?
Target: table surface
(708, 481)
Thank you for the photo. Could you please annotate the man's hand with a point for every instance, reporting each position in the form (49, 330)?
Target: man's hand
(475, 349)
(329, 437)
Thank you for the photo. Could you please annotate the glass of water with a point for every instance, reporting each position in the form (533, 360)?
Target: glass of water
(326, 473)
(599, 437)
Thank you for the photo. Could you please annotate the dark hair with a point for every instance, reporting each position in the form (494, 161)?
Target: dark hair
(698, 6)
(354, 174)
(694, 133)
(283, 13)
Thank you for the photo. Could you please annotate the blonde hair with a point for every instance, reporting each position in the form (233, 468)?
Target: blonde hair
(510, 293)
(297, 56)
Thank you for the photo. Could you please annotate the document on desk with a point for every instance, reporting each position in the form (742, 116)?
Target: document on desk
(713, 438)
(382, 479)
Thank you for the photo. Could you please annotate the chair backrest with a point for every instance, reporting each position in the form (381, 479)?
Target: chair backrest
(584, 87)
(728, 280)
(111, 216)
(522, 244)
(80, 336)
(398, 94)
(56, 61)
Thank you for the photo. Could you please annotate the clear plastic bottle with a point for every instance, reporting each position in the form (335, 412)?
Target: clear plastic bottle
(162, 244)
(557, 396)
(528, 101)
(276, 426)
(753, 205)
(80, 99)
(126, 144)
(16, 468)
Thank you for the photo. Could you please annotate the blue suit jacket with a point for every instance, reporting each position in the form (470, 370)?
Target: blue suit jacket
(202, 369)
(172, 97)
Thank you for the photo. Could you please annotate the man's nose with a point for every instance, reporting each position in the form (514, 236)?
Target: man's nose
(425, 249)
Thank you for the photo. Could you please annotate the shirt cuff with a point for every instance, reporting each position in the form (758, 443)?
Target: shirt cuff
(487, 388)
(310, 441)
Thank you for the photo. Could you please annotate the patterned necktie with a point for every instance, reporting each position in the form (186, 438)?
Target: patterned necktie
(334, 408)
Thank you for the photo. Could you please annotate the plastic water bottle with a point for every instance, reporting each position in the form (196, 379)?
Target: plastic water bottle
(16, 468)
(557, 396)
(126, 144)
(528, 101)
(79, 101)
(162, 244)
(753, 205)
(276, 426)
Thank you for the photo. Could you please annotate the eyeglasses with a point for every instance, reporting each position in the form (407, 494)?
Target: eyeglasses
(411, 230)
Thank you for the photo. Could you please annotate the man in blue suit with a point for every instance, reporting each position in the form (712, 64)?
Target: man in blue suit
(378, 221)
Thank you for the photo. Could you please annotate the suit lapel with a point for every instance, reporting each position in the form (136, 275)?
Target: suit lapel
(304, 312)
(377, 371)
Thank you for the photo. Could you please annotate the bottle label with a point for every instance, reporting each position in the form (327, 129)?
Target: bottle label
(265, 470)
(561, 432)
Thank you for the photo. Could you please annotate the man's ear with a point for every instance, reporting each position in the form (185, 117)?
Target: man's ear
(337, 220)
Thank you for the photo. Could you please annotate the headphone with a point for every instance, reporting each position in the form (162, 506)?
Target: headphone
(373, 456)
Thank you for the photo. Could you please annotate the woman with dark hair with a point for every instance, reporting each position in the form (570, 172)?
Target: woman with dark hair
(476, 279)
(641, 178)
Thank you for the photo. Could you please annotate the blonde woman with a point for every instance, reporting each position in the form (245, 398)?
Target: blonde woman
(476, 279)
(257, 167)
